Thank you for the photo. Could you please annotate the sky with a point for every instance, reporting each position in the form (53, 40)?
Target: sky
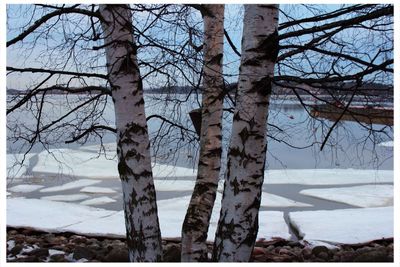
(19, 56)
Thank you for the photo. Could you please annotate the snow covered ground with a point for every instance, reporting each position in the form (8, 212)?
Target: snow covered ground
(86, 162)
(360, 196)
(70, 185)
(66, 198)
(97, 190)
(61, 217)
(333, 226)
(98, 201)
(25, 188)
(346, 226)
(76, 211)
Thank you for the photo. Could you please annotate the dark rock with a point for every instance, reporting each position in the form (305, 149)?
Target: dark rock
(78, 239)
(323, 256)
(19, 239)
(31, 240)
(336, 258)
(27, 232)
(31, 258)
(117, 254)
(347, 256)
(285, 251)
(319, 249)
(307, 253)
(373, 255)
(294, 244)
(39, 252)
(172, 253)
(82, 253)
(16, 249)
(12, 232)
(58, 258)
(258, 250)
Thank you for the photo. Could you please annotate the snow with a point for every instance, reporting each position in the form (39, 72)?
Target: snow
(271, 200)
(28, 249)
(112, 225)
(98, 201)
(68, 217)
(76, 162)
(350, 226)
(316, 243)
(10, 244)
(359, 196)
(8, 194)
(50, 216)
(272, 224)
(172, 213)
(70, 185)
(162, 170)
(387, 144)
(55, 252)
(25, 188)
(174, 185)
(97, 190)
(86, 162)
(66, 198)
(14, 168)
(328, 176)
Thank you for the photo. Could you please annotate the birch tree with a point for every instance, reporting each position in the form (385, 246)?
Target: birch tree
(196, 223)
(134, 162)
(238, 222)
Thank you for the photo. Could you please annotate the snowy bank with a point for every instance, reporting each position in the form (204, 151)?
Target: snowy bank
(360, 196)
(86, 162)
(54, 216)
(347, 226)
(327, 176)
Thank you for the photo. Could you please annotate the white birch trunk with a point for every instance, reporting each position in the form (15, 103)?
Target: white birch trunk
(195, 226)
(238, 223)
(139, 197)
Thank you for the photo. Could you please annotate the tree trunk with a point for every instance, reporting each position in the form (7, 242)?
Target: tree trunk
(238, 223)
(196, 223)
(134, 162)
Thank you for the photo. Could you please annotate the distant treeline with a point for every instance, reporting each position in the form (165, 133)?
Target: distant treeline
(283, 88)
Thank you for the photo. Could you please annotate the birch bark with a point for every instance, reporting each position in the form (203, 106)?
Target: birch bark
(134, 162)
(196, 223)
(238, 223)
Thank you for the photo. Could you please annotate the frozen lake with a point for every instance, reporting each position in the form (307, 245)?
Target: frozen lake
(299, 177)
(294, 137)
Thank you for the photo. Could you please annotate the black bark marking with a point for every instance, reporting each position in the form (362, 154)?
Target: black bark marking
(235, 185)
(127, 65)
(236, 116)
(140, 102)
(123, 169)
(252, 62)
(135, 129)
(252, 123)
(216, 60)
(244, 135)
(214, 152)
(133, 154)
(267, 6)
(269, 47)
(262, 87)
